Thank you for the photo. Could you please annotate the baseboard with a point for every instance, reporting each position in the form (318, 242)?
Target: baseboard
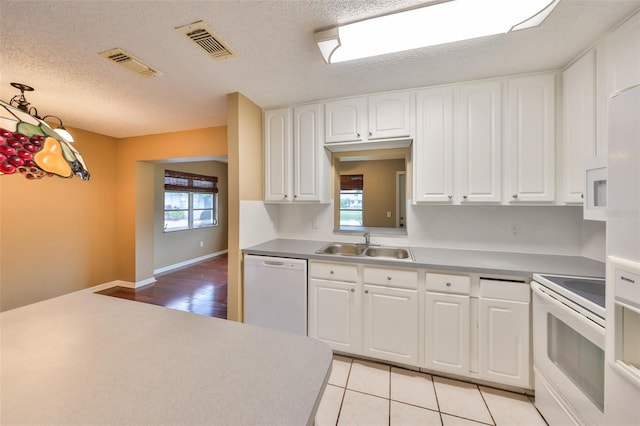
(104, 286)
(138, 284)
(142, 283)
(187, 262)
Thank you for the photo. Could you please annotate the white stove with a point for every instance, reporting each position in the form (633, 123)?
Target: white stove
(586, 292)
(568, 348)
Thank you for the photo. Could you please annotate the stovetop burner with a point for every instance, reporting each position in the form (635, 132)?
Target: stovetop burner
(585, 291)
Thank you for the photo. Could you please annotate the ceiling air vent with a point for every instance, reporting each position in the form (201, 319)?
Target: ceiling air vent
(200, 33)
(130, 62)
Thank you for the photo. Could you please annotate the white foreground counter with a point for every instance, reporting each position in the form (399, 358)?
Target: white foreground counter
(91, 359)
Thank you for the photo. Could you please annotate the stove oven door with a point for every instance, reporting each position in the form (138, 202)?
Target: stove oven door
(568, 352)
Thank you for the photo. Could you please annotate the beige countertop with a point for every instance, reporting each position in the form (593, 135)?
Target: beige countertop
(472, 261)
(87, 359)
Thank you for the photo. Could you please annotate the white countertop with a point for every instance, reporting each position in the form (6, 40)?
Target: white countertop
(479, 261)
(87, 359)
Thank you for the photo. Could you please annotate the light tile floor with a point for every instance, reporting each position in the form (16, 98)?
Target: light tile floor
(369, 393)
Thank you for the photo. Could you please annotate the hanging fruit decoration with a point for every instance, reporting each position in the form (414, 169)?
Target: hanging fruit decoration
(30, 147)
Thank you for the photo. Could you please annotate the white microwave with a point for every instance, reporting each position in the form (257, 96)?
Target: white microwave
(595, 202)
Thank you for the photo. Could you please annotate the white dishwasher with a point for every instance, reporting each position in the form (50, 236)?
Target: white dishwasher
(275, 293)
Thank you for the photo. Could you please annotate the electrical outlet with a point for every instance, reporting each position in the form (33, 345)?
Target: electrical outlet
(515, 229)
(201, 243)
(388, 214)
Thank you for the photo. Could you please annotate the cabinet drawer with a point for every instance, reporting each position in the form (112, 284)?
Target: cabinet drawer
(514, 291)
(445, 283)
(405, 278)
(333, 271)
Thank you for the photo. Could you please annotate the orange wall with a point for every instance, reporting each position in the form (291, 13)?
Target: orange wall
(197, 143)
(244, 119)
(58, 235)
(62, 235)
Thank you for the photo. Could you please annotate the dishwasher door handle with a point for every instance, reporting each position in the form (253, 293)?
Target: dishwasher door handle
(273, 263)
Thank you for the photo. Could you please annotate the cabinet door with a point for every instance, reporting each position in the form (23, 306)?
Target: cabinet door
(579, 131)
(624, 55)
(332, 314)
(433, 148)
(391, 324)
(479, 139)
(390, 115)
(446, 340)
(504, 342)
(531, 138)
(345, 120)
(307, 151)
(277, 155)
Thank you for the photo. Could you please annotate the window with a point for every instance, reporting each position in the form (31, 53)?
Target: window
(190, 201)
(351, 200)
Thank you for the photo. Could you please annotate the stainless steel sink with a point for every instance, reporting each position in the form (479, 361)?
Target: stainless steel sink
(350, 249)
(389, 253)
(343, 249)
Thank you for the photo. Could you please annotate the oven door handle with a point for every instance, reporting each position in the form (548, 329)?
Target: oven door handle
(581, 316)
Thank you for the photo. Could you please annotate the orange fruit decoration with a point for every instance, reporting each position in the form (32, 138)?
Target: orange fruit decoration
(50, 158)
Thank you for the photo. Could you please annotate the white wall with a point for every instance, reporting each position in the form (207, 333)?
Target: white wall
(259, 221)
(552, 230)
(594, 240)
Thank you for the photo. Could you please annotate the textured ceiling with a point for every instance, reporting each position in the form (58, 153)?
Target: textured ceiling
(54, 45)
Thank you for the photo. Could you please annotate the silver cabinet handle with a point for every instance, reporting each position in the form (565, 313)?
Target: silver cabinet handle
(353, 290)
(450, 196)
(358, 134)
(448, 284)
(370, 133)
(366, 292)
(286, 196)
(515, 196)
(464, 196)
(582, 196)
(295, 196)
(388, 278)
(331, 272)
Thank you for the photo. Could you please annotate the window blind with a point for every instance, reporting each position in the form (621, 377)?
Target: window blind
(351, 182)
(182, 181)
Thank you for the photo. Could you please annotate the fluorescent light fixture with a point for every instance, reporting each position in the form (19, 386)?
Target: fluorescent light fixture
(439, 23)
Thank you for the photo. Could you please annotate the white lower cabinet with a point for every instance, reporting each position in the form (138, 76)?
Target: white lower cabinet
(391, 324)
(457, 324)
(333, 306)
(503, 333)
(446, 325)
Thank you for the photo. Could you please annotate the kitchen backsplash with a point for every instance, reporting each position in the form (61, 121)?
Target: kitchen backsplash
(551, 230)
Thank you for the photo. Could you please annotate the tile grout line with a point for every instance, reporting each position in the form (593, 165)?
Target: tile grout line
(486, 405)
(435, 393)
(344, 392)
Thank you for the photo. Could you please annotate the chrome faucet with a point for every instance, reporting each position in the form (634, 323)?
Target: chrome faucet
(367, 238)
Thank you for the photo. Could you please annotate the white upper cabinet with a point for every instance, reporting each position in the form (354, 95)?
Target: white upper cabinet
(390, 115)
(277, 154)
(346, 120)
(384, 116)
(433, 147)
(309, 172)
(478, 119)
(530, 143)
(579, 130)
(297, 168)
(624, 55)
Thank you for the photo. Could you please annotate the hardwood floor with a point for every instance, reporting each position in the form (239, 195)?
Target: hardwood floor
(200, 288)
